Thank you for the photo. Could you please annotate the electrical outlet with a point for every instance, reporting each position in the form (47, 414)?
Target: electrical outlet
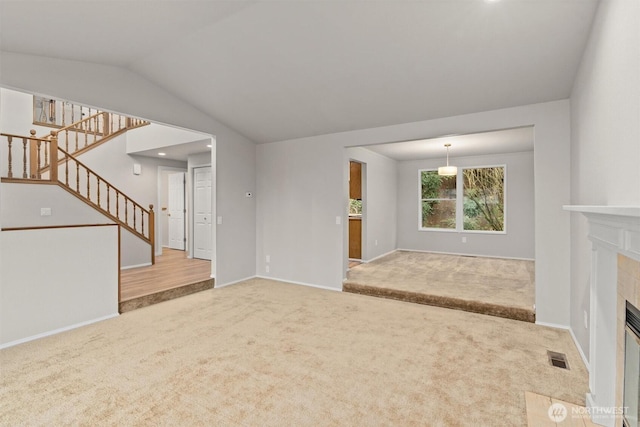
(464, 240)
(376, 242)
(268, 258)
(45, 211)
(266, 268)
(219, 221)
(338, 220)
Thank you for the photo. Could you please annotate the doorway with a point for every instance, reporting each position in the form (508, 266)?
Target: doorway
(355, 213)
(202, 213)
(176, 214)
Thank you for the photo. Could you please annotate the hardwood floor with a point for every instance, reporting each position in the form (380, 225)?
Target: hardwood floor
(171, 270)
(354, 263)
(540, 414)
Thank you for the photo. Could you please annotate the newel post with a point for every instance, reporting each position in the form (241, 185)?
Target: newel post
(53, 156)
(152, 233)
(33, 155)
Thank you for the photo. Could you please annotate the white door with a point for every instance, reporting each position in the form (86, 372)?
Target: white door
(202, 244)
(176, 211)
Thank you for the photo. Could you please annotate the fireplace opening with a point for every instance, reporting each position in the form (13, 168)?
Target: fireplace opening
(631, 394)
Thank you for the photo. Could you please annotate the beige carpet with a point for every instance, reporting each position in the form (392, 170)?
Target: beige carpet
(267, 353)
(501, 287)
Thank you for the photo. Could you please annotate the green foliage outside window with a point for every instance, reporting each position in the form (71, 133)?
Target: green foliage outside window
(482, 199)
(438, 198)
(355, 207)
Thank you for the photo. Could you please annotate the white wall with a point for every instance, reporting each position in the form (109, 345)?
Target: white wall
(379, 194)
(518, 242)
(122, 91)
(17, 114)
(605, 136)
(301, 191)
(20, 206)
(56, 279)
(156, 136)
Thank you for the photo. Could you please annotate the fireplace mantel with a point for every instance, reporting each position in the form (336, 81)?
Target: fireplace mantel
(614, 232)
(628, 211)
(616, 227)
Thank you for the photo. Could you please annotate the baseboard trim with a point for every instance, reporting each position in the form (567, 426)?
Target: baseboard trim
(300, 283)
(217, 286)
(573, 337)
(380, 256)
(465, 254)
(590, 401)
(128, 267)
(552, 325)
(57, 331)
(582, 355)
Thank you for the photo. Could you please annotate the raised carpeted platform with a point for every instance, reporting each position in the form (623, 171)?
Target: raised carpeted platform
(492, 286)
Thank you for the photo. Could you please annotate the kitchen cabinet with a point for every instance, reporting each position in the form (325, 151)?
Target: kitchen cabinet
(355, 237)
(355, 180)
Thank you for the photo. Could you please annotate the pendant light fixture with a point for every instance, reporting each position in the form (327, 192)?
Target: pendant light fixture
(447, 170)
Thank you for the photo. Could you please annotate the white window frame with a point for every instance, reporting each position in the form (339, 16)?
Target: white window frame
(444, 230)
(460, 202)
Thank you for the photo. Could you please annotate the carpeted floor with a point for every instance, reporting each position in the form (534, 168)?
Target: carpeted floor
(500, 287)
(268, 353)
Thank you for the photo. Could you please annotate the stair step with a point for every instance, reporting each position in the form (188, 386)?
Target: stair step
(165, 295)
(514, 313)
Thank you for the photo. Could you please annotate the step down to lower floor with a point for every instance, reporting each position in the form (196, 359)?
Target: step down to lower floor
(443, 301)
(165, 295)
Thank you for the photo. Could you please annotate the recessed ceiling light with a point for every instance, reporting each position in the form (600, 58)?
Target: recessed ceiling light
(162, 154)
(209, 145)
(491, 1)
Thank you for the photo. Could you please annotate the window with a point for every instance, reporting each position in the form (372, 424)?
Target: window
(438, 198)
(355, 207)
(472, 201)
(483, 199)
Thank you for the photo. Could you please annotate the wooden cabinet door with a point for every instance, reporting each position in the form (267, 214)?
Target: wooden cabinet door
(355, 238)
(355, 180)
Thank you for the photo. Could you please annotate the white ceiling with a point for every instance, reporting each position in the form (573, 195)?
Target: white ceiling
(477, 144)
(276, 70)
(179, 152)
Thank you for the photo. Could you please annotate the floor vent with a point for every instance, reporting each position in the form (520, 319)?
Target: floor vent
(559, 360)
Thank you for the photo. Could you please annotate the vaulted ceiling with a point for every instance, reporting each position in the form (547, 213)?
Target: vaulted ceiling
(276, 70)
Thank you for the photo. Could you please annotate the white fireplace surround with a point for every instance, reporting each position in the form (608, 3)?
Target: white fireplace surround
(613, 230)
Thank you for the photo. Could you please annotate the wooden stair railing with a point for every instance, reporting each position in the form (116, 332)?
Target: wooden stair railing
(79, 180)
(92, 131)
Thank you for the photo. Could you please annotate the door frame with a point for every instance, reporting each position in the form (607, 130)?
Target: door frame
(363, 219)
(190, 185)
(182, 211)
(192, 174)
(158, 208)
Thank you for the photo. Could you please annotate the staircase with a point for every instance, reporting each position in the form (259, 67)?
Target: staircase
(52, 159)
(93, 131)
